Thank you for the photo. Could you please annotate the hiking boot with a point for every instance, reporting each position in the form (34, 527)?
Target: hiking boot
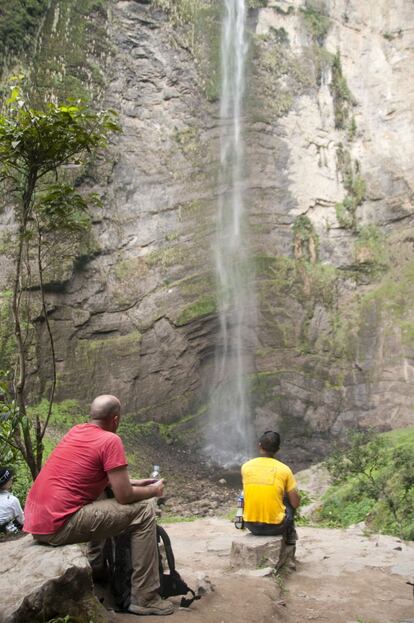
(152, 604)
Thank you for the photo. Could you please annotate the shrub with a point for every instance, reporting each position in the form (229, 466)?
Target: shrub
(373, 482)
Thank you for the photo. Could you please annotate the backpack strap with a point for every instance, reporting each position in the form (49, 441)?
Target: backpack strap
(163, 536)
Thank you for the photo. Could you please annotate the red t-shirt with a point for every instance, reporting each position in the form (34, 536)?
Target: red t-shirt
(75, 474)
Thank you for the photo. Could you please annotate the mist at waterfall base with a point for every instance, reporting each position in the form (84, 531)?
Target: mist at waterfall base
(230, 436)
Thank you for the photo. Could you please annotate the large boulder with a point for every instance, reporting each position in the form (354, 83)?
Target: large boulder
(39, 582)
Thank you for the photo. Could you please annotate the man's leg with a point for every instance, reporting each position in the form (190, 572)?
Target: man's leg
(107, 518)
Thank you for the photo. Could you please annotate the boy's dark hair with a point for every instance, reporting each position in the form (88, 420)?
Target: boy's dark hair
(5, 474)
(270, 441)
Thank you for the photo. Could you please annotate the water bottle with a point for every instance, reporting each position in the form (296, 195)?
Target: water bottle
(238, 521)
(154, 501)
(156, 472)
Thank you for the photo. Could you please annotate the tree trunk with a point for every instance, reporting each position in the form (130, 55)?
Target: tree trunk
(22, 436)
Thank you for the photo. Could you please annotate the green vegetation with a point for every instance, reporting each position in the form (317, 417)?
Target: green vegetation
(323, 60)
(195, 26)
(306, 242)
(393, 296)
(202, 307)
(370, 250)
(355, 186)
(345, 213)
(342, 97)
(63, 414)
(19, 22)
(168, 256)
(307, 281)
(279, 76)
(390, 36)
(316, 22)
(130, 428)
(167, 519)
(35, 144)
(373, 482)
(257, 4)
(70, 59)
(281, 36)
(305, 499)
(352, 129)
(289, 11)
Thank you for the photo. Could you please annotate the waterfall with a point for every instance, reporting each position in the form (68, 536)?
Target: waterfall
(230, 436)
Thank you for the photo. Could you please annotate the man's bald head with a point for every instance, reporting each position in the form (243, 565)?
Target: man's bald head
(105, 407)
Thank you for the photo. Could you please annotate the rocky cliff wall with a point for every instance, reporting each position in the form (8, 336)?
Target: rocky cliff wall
(328, 189)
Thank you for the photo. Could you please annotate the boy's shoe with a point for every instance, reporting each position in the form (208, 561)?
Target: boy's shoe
(152, 604)
(11, 528)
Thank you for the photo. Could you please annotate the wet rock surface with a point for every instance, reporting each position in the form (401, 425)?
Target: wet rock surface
(136, 315)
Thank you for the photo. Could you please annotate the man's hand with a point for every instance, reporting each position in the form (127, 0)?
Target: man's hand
(126, 493)
(159, 488)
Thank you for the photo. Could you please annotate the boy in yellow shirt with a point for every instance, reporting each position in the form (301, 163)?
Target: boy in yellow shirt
(270, 493)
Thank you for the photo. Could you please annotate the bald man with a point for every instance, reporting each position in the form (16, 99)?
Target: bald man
(63, 506)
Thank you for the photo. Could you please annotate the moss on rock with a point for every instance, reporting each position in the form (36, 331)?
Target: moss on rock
(196, 26)
(316, 21)
(70, 58)
(203, 306)
(370, 250)
(279, 75)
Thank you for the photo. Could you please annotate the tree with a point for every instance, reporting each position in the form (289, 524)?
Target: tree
(35, 148)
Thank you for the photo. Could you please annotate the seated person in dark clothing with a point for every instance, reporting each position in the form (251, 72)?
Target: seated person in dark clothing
(270, 493)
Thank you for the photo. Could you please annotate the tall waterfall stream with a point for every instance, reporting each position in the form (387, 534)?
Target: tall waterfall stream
(230, 437)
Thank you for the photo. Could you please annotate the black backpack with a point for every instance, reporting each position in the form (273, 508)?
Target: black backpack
(119, 566)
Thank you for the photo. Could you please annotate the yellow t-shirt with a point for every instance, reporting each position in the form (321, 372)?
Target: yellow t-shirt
(265, 481)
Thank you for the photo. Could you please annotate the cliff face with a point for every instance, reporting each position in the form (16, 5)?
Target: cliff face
(328, 189)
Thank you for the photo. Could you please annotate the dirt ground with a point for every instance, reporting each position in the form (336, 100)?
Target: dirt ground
(342, 576)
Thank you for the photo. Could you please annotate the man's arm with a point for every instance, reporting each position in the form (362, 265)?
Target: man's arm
(143, 482)
(126, 493)
(294, 498)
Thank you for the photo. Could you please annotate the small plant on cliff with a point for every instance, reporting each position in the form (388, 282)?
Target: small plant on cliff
(306, 242)
(35, 147)
(355, 186)
(342, 97)
(316, 21)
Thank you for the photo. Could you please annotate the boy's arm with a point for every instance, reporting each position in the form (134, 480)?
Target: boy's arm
(294, 498)
(18, 513)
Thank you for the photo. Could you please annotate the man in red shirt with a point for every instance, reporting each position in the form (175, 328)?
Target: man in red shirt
(63, 506)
